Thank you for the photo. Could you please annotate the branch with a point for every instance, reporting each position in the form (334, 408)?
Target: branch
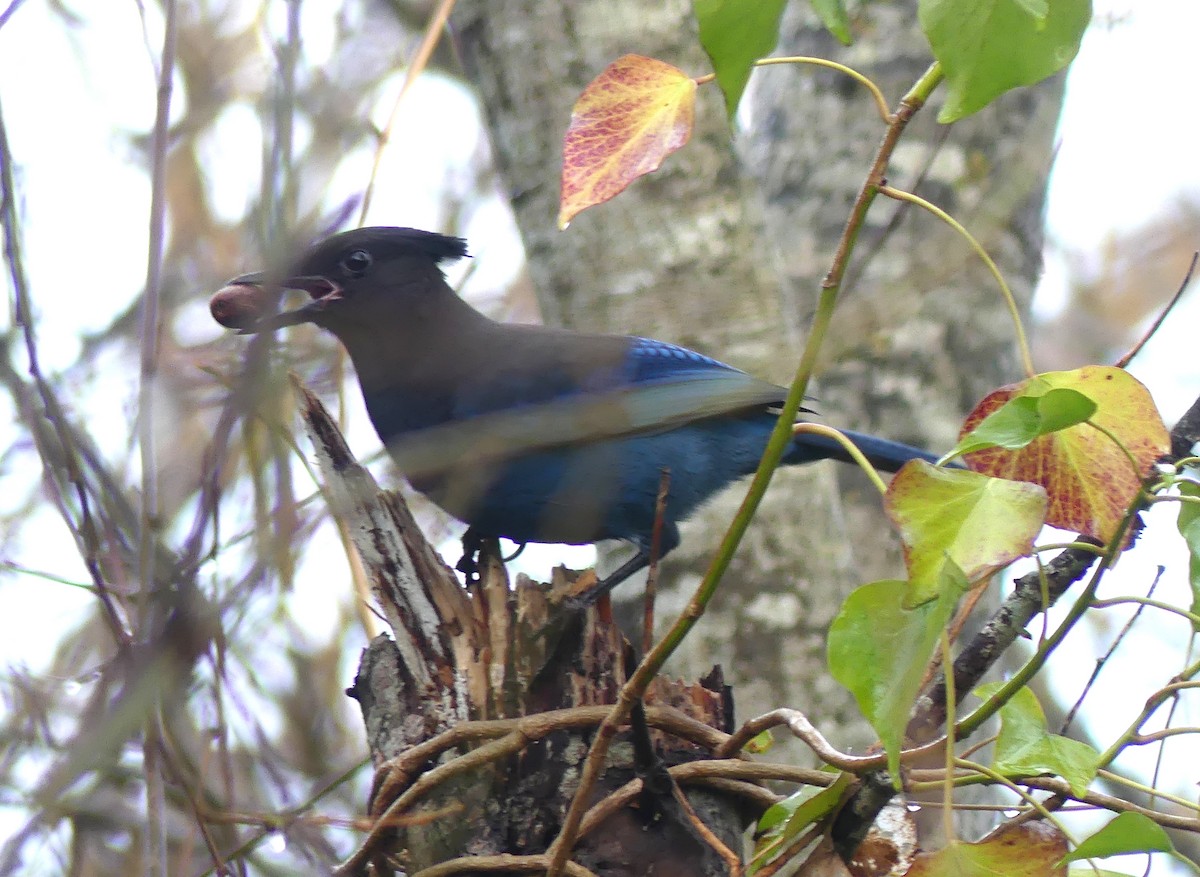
(1006, 625)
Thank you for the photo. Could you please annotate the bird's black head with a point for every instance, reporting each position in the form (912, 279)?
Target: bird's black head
(357, 270)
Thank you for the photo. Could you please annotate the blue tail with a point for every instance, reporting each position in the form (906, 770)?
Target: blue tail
(883, 453)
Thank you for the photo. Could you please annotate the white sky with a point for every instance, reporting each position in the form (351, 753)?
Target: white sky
(1128, 140)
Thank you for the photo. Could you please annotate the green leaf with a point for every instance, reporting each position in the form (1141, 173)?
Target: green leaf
(987, 47)
(1060, 408)
(735, 34)
(977, 524)
(1026, 748)
(835, 18)
(761, 743)
(1012, 426)
(879, 650)
(1128, 833)
(784, 821)
(1189, 529)
(1089, 871)
(1036, 412)
(1037, 9)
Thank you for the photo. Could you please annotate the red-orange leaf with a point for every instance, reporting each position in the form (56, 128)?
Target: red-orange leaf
(631, 117)
(1089, 479)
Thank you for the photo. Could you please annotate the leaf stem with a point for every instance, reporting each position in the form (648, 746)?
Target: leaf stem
(1038, 806)
(1009, 299)
(851, 449)
(881, 103)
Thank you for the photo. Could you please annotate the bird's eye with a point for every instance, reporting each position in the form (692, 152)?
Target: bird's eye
(356, 263)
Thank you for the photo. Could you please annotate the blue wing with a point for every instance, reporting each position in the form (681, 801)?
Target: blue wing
(570, 367)
(651, 360)
(570, 390)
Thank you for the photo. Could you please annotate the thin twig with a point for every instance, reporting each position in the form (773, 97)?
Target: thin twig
(195, 806)
(148, 523)
(1101, 661)
(733, 862)
(404, 780)
(502, 864)
(734, 776)
(660, 511)
(804, 730)
(1162, 315)
(1062, 789)
(420, 59)
(59, 447)
(8, 12)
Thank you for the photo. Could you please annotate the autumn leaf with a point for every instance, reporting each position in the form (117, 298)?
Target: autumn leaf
(631, 117)
(1031, 849)
(1090, 479)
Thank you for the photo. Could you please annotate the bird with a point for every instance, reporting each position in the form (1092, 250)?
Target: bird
(529, 432)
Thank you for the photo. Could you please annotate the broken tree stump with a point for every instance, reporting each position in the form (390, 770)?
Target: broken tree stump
(481, 707)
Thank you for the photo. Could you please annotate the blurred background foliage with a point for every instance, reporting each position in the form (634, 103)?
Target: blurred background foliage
(272, 130)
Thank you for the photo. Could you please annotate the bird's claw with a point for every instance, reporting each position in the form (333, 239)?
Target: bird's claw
(468, 564)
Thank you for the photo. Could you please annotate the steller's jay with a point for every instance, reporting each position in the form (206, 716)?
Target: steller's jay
(529, 432)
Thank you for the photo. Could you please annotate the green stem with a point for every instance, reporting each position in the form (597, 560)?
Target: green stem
(780, 438)
(1191, 617)
(1005, 693)
(851, 449)
(880, 101)
(1152, 704)
(1033, 802)
(1009, 299)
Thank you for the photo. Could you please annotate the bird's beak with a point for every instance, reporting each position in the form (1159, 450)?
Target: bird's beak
(321, 290)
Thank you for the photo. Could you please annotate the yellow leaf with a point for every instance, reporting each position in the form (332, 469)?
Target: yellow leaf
(1032, 849)
(980, 524)
(631, 117)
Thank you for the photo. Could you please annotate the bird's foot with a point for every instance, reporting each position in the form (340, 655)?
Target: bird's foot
(472, 543)
(468, 564)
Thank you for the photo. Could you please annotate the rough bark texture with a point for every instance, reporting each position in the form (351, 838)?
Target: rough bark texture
(725, 250)
(459, 660)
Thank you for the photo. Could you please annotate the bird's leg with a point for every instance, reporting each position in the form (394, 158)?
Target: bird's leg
(641, 560)
(638, 562)
(472, 543)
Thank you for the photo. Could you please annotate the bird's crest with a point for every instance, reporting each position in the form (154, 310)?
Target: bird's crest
(438, 246)
(383, 241)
